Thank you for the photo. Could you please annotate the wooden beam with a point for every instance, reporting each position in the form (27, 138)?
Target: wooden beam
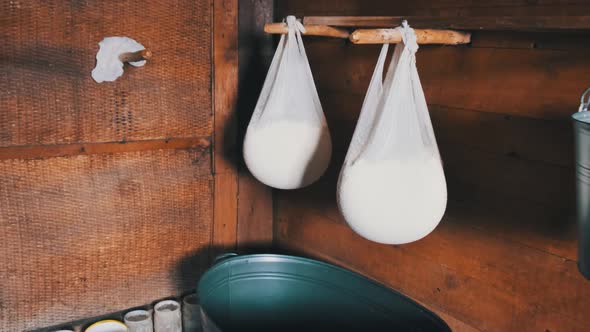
(520, 23)
(225, 92)
(63, 150)
(426, 36)
(310, 30)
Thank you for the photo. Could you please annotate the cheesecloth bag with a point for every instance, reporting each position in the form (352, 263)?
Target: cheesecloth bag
(392, 187)
(287, 143)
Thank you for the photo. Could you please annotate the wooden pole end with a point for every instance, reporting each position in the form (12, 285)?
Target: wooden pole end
(146, 54)
(136, 56)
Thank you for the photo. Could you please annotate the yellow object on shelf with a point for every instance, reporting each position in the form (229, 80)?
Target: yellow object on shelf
(109, 325)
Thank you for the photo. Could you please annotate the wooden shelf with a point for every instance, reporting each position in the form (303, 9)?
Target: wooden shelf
(532, 23)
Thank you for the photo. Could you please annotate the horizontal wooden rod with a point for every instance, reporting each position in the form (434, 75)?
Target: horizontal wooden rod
(310, 30)
(423, 36)
(135, 56)
(63, 150)
(376, 36)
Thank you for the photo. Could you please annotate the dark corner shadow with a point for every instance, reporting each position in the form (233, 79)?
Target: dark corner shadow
(253, 66)
(190, 268)
(186, 274)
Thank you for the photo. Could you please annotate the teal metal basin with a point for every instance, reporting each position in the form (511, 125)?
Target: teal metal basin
(287, 293)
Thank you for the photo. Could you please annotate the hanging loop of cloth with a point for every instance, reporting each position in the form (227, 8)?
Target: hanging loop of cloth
(294, 24)
(296, 28)
(408, 36)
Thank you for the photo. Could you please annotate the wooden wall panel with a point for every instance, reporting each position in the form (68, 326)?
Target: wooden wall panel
(107, 190)
(501, 111)
(89, 235)
(482, 281)
(499, 133)
(537, 83)
(537, 225)
(431, 8)
(225, 64)
(48, 51)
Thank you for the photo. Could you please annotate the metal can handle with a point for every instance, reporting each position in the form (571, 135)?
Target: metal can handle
(584, 105)
(223, 257)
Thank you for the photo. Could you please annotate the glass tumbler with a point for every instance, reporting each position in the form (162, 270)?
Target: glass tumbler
(139, 321)
(191, 313)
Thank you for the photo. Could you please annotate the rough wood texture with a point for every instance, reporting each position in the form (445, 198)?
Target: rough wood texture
(506, 23)
(535, 83)
(225, 219)
(484, 282)
(423, 36)
(48, 151)
(310, 30)
(225, 68)
(49, 49)
(500, 109)
(88, 235)
(106, 190)
(255, 210)
(499, 133)
(255, 215)
(444, 8)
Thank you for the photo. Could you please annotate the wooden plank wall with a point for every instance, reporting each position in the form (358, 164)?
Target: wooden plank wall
(109, 192)
(504, 257)
(225, 58)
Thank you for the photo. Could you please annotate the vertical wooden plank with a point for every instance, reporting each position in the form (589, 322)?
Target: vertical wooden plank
(225, 86)
(225, 213)
(255, 215)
